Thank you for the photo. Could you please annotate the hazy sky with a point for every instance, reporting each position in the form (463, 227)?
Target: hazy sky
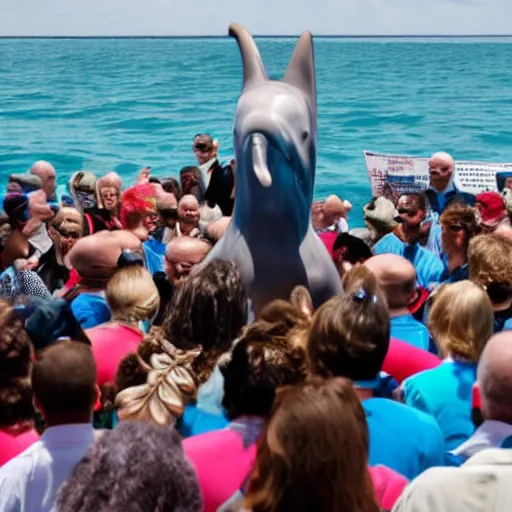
(198, 17)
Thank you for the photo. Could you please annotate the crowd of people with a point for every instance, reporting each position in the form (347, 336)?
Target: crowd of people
(134, 377)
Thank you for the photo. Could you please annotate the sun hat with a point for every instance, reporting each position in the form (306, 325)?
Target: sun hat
(491, 207)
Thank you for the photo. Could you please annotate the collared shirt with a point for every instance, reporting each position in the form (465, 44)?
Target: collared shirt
(490, 434)
(30, 482)
(205, 172)
(441, 196)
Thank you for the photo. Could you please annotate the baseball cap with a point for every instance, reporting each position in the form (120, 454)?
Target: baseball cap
(491, 207)
(28, 182)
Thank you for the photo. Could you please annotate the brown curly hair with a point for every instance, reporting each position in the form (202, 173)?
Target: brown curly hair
(490, 260)
(466, 217)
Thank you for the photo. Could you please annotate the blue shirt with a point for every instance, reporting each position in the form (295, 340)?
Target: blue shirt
(408, 329)
(429, 268)
(90, 310)
(445, 393)
(402, 438)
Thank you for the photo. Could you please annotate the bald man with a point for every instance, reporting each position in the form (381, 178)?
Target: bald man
(442, 191)
(483, 481)
(397, 278)
(182, 255)
(48, 175)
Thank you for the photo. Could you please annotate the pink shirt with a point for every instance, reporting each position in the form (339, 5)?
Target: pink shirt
(404, 360)
(12, 445)
(110, 344)
(223, 464)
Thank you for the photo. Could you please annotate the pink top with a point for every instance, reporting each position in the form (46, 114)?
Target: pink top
(404, 360)
(388, 486)
(111, 342)
(223, 464)
(328, 238)
(11, 445)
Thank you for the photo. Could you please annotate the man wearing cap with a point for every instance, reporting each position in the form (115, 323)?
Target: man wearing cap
(218, 180)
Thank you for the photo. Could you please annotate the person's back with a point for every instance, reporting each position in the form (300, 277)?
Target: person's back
(451, 384)
(407, 328)
(482, 484)
(64, 383)
(402, 438)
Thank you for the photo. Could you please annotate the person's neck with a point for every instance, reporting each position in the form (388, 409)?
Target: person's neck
(456, 260)
(395, 312)
(363, 394)
(186, 227)
(59, 420)
(411, 234)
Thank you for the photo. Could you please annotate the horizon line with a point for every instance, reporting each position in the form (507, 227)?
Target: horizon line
(262, 36)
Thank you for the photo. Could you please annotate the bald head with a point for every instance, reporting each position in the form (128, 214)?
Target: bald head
(495, 378)
(46, 172)
(441, 167)
(396, 276)
(182, 254)
(188, 209)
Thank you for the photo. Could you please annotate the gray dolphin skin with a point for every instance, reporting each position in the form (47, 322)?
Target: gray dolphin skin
(270, 236)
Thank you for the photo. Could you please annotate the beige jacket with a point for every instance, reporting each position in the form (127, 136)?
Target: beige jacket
(482, 484)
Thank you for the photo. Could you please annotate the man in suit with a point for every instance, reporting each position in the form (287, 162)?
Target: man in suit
(218, 180)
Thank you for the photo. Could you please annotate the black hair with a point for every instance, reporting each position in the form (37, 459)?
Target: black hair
(357, 249)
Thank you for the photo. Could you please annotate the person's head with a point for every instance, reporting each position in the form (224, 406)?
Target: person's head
(379, 216)
(348, 251)
(490, 267)
(460, 320)
(313, 453)
(190, 180)
(108, 191)
(495, 378)
(138, 210)
(349, 335)
(65, 229)
(182, 254)
(207, 310)
(396, 277)
(167, 207)
(82, 187)
(492, 208)
(261, 361)
(172, 186)
(459, 223)
(333, 210)
(46, 172)
(64, 383)
(441, 168)
(188, 210)
(132, 295)
(204, 147)
(412, 209)
(136, 466)
(15, 363)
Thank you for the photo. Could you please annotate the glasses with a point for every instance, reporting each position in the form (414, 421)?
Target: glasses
(68, 234)
(169, 213)
(455, 228)
(406, 211)
(202, 148)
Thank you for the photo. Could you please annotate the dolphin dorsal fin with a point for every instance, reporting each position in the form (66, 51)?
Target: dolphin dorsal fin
(301, 68)
(254, 70)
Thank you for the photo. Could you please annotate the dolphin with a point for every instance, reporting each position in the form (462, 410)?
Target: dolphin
(270, 236)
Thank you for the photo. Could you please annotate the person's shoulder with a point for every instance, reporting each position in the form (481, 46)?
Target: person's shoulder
(387, 243)
(20, 465)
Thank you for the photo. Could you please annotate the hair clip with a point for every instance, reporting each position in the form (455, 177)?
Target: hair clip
(362, 295)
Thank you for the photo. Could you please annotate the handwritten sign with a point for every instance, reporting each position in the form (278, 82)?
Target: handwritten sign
(392, 175)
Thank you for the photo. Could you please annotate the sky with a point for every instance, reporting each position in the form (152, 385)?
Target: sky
(262, 17)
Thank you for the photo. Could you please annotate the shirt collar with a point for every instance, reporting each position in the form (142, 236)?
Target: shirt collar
(79, 433)
(449, 188)
(490, 434)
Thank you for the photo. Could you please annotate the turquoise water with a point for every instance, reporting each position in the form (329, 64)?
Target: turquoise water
(120, 104)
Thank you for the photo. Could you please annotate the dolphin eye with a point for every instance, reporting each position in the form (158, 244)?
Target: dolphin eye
(305, 135)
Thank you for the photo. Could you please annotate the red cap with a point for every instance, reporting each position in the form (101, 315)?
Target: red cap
(491, 207)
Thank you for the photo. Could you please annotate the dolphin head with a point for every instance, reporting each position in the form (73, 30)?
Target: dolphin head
(275, 132)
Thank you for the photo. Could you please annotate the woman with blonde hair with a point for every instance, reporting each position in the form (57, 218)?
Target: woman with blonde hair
(313, 453)
(133, 299)
(461, 323)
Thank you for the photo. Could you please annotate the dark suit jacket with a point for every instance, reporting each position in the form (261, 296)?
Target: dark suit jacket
(220, 188)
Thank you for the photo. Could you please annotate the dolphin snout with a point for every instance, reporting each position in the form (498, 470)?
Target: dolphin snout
(259, 151)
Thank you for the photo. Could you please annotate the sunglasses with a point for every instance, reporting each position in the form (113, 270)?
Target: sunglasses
(68, 234)
(455, 228)
(406, 211)
(169, 213)
(202, 148)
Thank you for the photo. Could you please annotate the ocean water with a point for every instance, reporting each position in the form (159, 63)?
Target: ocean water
(121, 104)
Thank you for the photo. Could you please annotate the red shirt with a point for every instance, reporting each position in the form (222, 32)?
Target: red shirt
(111, 342)
(11, 445)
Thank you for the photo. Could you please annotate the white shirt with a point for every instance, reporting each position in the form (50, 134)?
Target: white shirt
(30, 481)
(205, 175)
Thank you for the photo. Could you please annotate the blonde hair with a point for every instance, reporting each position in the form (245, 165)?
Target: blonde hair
(69, 219)
(132, 295)
(461, 320)
(490, 260)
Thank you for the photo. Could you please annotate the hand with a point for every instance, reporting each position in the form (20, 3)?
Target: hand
(144, 175)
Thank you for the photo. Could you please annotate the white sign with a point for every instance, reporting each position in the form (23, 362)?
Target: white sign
(392, 175)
